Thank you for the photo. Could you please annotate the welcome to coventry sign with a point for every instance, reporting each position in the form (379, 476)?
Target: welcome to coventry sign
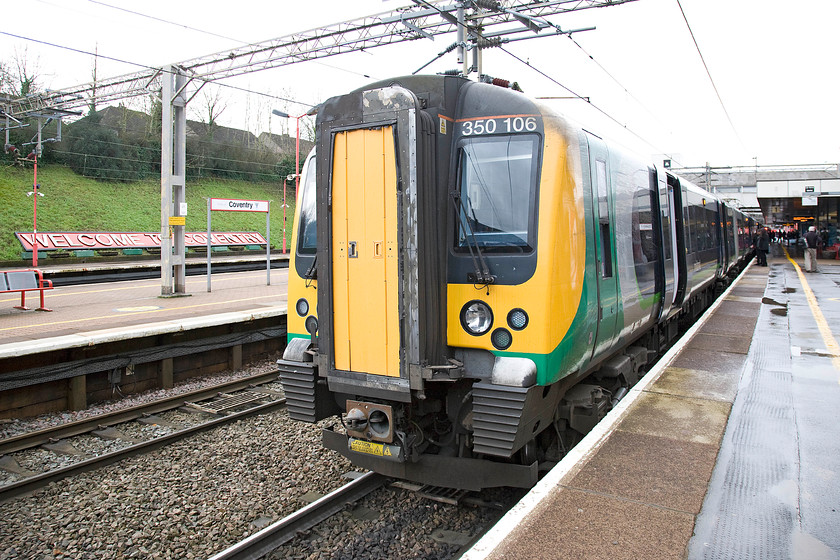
(51, 241)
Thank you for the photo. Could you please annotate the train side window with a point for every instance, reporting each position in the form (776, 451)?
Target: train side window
(601, 178)
(664, 213)
(604, 218)
(645, 246)
(307, 238)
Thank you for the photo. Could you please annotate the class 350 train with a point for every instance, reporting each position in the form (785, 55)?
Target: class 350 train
(475, 281)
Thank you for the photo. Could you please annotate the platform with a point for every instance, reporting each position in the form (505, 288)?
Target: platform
(728, 448)
(122, 335)
(92, 313)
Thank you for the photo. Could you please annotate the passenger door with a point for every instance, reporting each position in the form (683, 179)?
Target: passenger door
(364, 259)
(606, 273)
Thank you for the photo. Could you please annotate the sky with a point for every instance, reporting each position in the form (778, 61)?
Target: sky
(772, 98)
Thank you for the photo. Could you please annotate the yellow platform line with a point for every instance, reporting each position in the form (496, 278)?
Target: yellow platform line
(828, 338)
(136, 313)
(60, 291)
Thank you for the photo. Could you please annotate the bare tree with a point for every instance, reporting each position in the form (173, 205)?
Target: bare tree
(211, 108)
(26, 73)
(307, 128)
(6, 80)
(19, 75)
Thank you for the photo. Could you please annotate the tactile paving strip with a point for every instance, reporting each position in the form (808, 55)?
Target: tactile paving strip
(751, 509)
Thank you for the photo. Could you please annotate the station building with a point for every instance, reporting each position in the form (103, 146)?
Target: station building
(790, 198)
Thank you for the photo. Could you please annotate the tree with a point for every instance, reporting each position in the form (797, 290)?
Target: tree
(212, 107)
(92, 104)
(99, 152)
(25, 79)
(20, 77)
(6, 81)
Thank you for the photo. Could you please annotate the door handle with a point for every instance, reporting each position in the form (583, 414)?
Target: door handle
(351, 250)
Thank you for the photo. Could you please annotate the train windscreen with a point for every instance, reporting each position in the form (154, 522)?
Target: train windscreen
(498, 178)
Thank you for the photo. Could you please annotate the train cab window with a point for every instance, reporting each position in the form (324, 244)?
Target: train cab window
(307, 236)
(498, 187)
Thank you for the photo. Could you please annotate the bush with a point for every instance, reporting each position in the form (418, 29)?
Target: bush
(96, 151)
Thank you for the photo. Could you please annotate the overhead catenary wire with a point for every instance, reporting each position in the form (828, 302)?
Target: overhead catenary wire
(152, 68)
(585, 99)
(205, 32)
(709, 74)
(161, 20)
(616, 80)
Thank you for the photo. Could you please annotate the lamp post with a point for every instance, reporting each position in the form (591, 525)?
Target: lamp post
(297, 161)
(35, 194)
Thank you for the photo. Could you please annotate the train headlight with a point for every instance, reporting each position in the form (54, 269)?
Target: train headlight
(311, 325)
(517, 319)
(501, 339)
(476, 317)
(302, 307)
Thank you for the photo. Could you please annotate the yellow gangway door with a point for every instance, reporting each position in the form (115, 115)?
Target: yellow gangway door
(365, 257)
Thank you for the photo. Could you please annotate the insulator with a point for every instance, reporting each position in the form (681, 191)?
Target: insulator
(448, 49)
(451, 72)
(487, 4)
(484, 43)
(500, 82)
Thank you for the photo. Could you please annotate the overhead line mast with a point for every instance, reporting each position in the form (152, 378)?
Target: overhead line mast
(427, 20)
(475, 21)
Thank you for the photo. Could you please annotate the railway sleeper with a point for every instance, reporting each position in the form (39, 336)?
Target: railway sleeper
(110, 433)
(63, 447)
(10, 464)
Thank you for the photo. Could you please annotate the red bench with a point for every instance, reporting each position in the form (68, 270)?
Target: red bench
(832, 252)
(29, 280)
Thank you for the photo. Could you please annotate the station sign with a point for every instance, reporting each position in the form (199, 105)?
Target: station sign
(51, 241)
(237, 205)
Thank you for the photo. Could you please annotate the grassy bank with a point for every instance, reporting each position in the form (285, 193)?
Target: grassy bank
(75, 203)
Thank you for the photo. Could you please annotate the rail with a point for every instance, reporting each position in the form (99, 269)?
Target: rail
(261, 543)
(40, 437)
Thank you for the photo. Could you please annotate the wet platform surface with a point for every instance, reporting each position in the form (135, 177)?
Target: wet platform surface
(727, 450)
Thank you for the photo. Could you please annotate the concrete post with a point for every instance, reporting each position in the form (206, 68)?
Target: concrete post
(77, 396)
(167, 373)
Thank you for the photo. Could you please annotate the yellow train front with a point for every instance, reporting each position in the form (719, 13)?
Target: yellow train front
(482, 280)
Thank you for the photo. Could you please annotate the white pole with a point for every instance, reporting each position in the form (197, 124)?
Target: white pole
(268, 244)
(208, 245)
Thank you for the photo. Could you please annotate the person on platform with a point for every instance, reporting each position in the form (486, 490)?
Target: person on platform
(762, 246)
(812, 239)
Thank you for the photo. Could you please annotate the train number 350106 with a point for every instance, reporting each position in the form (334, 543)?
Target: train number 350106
(498, 125)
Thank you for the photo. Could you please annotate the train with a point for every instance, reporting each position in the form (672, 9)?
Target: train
(475, 281)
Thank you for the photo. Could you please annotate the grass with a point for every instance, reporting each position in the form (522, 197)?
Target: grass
(75, 203)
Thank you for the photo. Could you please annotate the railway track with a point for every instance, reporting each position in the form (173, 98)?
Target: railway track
(197, 411)
(366, 517)
(265, 541)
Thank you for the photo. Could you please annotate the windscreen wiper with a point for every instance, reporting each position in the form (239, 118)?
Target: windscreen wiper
(312, 272)
(482, 274)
